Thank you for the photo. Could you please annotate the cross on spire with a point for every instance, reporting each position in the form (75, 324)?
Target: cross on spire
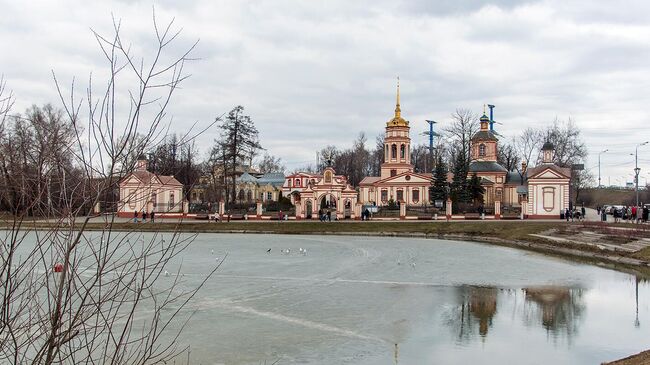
(398, 110)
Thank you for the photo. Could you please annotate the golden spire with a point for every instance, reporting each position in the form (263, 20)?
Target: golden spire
(398, 111)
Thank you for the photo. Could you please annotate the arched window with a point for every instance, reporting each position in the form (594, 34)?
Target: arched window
(393, 151)
(402, 152)
(249, 196)
(386, 153)
(297, 182)
(240, 196)
(481, 150)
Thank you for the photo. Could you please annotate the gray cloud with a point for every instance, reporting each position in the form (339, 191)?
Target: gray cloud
(317, 73)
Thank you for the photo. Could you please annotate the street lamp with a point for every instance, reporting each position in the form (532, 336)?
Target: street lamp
(599, 153)
(637, 169)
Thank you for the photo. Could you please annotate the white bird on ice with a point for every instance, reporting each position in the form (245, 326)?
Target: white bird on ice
(166, 273)
(211, 252)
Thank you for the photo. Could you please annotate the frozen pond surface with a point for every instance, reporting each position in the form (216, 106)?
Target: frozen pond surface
(350, 300)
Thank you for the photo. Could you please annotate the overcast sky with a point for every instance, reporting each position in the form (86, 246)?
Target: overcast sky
(312, 73)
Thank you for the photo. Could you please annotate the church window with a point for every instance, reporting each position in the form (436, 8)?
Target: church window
(416, 195)
(154, 199)
(393, 151)
(393, 172)
(171, 200)
(400, 195)
(384, 195)
(249, 196)
(481, 150)
(297, 182)
(402, 152)
(269, 195)
(386, 157)
(241, 194)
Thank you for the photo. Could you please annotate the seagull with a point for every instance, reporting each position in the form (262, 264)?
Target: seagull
(216, 259)
(211, 252)
(166, 273)
(268, 251)
(304, 251)
(413, 264)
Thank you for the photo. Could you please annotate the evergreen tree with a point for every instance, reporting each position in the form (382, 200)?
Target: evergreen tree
(459, 186)
(438, 191)
(475, 189)
(239, 140)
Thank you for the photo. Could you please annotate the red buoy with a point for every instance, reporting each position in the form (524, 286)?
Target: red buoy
(58, 267)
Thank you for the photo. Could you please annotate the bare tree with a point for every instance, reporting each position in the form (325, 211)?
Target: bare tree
(464, 125)
(527, 145)
(72, 296)
(270, 163)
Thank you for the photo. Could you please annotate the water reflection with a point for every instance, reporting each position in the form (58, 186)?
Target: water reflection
(557, 309)
(474, 312)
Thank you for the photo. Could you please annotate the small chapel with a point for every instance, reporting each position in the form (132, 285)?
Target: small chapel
(397, 181)
(539, 192)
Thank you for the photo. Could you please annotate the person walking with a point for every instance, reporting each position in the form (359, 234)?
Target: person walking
(144, 216)
(566, 214)
(135, 217)
(644, 216)
(583, 211)
(152, 216)
(329, 215)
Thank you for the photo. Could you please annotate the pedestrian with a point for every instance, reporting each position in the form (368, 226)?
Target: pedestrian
(644, 216)
(144, 216)
(228, 216)
(280, 215)
(329, 215)
(616, 214)
(583, 211)
(566, 214)
(598, 209)
(135, 217)
(152, 216)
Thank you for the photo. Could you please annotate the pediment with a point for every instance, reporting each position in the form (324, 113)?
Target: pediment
(406, 178)
(547, 174)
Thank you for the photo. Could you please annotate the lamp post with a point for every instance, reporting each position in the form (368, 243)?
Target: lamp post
(637, 170)
(599, 153)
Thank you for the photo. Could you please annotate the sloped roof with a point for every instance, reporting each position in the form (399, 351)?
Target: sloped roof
(513, 177)
(149, 178)
(246, 178)
(486, 166)
(485, 135)
(273, 178)
(369, 180)
(565, 171)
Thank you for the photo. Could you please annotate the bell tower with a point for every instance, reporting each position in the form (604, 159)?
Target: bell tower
(484, 142)
(397, 144)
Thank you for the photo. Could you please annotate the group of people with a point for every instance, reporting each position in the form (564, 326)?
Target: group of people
(144, 215)
(575, 213)
(365, 215)
(325, 215)
(629, 213)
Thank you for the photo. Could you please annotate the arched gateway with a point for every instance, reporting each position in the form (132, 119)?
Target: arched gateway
(328, 191)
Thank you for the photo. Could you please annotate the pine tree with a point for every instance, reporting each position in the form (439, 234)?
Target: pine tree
(476, 190)
(459, 186)
(239, 140)
(438, 191)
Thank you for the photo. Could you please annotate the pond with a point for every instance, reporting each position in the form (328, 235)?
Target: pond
(364, 300)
